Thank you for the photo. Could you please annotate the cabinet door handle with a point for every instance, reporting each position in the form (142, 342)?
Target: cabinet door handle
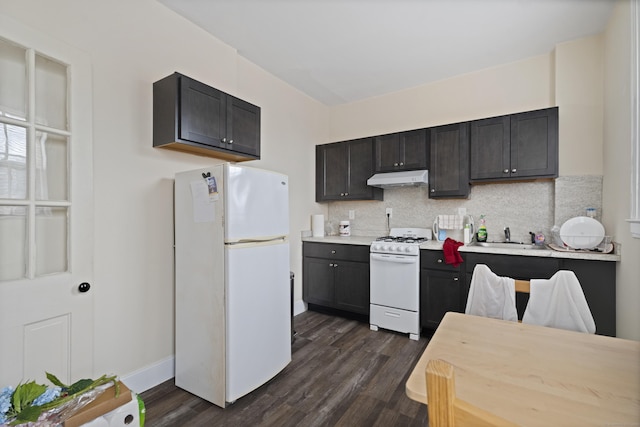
(401, 164)
(439, 261)
(455, 279)
(433, 190)
(231, 141)
(514, 170)
(335, 265)
(395, 164)
(224, 140)
(333, 252)
(330, 264)
(506, 171)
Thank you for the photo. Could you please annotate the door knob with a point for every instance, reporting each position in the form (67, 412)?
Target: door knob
(84, 287)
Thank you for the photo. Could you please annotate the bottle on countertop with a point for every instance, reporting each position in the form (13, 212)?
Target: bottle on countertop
(482, 230)
(467, 234)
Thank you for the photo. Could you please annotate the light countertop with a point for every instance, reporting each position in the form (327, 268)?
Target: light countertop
(533, 375)
(435, 245)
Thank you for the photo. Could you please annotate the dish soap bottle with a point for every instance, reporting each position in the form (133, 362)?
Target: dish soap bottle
(482, 230)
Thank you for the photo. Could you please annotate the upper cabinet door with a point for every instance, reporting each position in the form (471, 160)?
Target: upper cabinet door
(360, 170)
(387, 152)
(534, 144)
(517, 146)
(401, 151)
(202, 113)
(449, 165)
(332, 164)
(414, 149)
(490, 148)
(243, 127)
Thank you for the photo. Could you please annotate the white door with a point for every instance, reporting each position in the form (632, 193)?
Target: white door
(46, 208)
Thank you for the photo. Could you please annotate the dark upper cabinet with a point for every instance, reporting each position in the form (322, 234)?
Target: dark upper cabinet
(342, 170)
(402, 151)
(449, 161)
(190, 116)
(516, 146)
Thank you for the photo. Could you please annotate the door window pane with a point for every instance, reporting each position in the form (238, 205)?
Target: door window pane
(51, 166)
(13, 162)
(51, 93)
(13, 84)
(13, 250)
(51, 240)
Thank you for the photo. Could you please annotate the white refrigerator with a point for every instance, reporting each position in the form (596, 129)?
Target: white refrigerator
(233, 312)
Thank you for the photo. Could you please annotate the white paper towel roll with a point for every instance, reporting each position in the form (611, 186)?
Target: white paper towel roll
(317, 225)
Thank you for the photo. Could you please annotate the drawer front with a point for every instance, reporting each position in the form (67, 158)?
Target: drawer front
(434, 260)
(359, 253)
(395, 319)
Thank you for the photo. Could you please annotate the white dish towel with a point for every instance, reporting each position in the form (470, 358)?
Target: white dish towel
(491, 295)
(560, 303)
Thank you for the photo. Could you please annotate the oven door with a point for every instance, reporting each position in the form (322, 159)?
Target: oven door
(395, 281)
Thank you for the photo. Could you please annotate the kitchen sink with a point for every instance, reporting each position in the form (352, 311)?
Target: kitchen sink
(508, 245)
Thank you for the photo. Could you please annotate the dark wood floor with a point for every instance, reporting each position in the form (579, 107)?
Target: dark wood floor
(341, 374)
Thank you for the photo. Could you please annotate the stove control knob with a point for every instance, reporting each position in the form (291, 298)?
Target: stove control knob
(408, 249)
(385, 248)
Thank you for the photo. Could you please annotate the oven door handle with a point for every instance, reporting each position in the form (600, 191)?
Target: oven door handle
(394, 258)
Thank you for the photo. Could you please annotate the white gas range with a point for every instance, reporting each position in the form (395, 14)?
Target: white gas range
(395, 281)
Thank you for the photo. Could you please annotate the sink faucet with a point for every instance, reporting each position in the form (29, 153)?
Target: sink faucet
(507, 235)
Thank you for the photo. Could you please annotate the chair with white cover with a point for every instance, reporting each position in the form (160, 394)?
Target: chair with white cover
(445, 409)
(491, 295)
(559, 302)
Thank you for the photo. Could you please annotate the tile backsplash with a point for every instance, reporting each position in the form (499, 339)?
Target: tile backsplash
(522, 206)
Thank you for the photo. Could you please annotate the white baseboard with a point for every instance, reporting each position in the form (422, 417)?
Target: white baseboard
(299, 307)
(150, 376)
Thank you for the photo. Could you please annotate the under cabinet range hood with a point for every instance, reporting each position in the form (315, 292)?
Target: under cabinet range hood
(399, 179)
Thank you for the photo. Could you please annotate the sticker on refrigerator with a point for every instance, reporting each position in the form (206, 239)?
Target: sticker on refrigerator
(203, 205)
(212, 185)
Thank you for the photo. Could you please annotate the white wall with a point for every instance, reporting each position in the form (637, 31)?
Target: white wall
(579, 88)
(509, 88)
(617, 166)
(133, 44)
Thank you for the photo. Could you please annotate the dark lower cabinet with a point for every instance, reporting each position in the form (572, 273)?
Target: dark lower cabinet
(442, 289)
(597, 278)
(336, 276)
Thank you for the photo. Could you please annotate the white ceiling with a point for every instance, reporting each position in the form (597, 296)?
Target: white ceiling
(340, 51)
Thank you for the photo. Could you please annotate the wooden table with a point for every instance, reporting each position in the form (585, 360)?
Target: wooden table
(536, 376)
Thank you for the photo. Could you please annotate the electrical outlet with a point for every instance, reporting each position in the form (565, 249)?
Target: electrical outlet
(352, 214)
(389, 212)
